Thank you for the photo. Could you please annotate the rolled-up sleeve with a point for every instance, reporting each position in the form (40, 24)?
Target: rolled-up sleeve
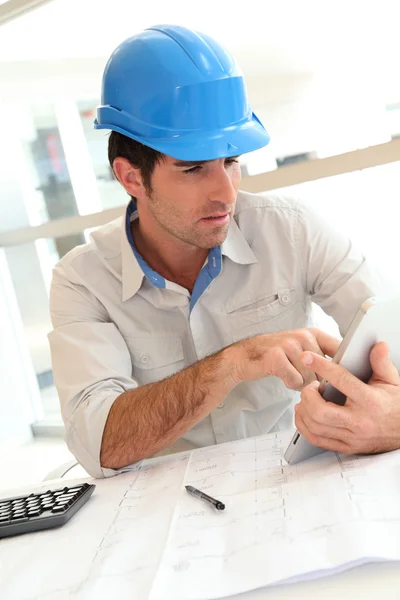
(337, 276)
(91, 366)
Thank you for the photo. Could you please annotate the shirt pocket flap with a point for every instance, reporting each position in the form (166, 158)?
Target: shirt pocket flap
(266, 307)
(155, 352)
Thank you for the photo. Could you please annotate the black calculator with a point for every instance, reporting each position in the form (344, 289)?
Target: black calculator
(23, 514)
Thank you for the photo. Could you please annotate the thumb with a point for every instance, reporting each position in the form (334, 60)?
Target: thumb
(382, 367)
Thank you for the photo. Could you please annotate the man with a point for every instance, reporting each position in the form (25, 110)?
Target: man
(183, 324)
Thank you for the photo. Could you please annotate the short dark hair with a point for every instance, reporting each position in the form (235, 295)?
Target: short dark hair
(140, 156)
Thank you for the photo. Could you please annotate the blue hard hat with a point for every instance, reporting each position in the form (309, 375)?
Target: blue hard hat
(179, 92)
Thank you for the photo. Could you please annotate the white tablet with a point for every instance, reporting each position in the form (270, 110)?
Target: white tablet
(378, 320)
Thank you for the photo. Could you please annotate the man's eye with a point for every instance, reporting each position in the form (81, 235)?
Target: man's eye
(195, 169)
(192, 170)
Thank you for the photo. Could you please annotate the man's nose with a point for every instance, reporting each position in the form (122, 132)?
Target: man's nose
(222, 190)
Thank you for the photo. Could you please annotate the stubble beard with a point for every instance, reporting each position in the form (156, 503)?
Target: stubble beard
(170, 223)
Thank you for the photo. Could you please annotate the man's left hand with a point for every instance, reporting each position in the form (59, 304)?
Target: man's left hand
(368, 423)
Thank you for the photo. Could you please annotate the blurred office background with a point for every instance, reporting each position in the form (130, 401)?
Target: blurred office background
(322, 76)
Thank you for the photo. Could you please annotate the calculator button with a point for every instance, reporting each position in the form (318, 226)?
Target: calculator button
(58, 509)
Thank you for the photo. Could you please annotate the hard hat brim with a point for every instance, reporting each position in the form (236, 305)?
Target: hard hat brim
(247, 136)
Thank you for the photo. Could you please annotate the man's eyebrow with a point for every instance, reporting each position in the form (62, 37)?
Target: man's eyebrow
(196, 163)
(189, 163)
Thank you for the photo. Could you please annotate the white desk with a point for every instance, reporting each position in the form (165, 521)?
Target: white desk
(45, 549)
(369, 582)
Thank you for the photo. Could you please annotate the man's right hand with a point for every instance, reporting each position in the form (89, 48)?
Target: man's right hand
(279, 354)
(166, 409)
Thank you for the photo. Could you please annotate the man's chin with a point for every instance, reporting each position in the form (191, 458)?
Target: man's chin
(206, 240)
(215, 241)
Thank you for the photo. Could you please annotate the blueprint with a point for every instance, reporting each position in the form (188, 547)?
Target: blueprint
(281, 522)
(142, 536)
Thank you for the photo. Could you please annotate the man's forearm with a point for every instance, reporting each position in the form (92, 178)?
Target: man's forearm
(149, 418)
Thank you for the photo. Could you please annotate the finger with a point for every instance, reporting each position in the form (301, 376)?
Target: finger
(293, 356)
(311, 344)
(315, 409)
(320, 441)
(283, 368)
(326, 342)
(382, 366)
(339, 377)
(293, 347)
(334, 433)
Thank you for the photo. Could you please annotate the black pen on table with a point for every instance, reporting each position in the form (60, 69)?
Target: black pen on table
(195, 492)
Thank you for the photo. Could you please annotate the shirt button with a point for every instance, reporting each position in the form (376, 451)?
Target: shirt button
(144, 359)
(221, 405)
(285, 299)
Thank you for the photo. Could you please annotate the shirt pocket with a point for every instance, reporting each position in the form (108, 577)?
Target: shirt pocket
(266, 314)
(155, 358)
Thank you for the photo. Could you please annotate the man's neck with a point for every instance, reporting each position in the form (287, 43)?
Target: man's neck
(173, 259)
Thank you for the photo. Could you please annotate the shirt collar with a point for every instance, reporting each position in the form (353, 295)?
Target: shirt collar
(235, 247)
(132, 273)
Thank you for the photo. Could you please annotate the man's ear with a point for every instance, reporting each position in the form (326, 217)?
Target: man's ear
(129, 177)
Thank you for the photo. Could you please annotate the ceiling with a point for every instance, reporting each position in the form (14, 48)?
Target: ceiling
(334, 38)
(283, 35)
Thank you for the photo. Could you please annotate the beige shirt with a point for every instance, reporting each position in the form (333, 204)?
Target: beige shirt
(114, 330)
